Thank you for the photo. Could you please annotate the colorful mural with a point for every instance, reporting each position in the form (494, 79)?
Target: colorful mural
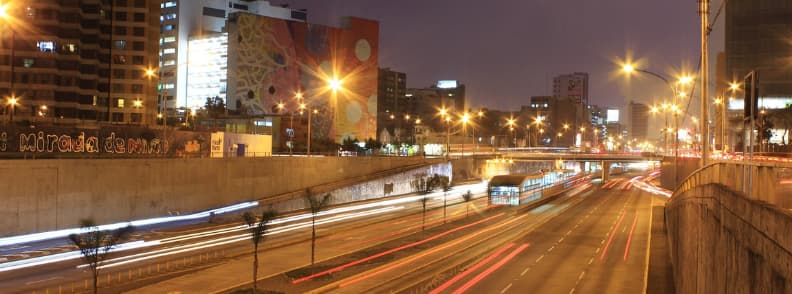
(270, 60)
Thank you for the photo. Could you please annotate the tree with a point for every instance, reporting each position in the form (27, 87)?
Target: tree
(215, 107)
(95, 244)
(350, 144)
(467, 197)
(258, 227)
(316, 204)
(445, 183)
(426, 186)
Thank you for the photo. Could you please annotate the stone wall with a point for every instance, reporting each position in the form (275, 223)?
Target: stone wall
(724, 242)
(43, 195)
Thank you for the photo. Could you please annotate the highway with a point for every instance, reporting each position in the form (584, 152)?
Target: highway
(589, 238)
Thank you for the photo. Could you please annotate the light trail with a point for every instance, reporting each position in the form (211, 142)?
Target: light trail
(145, 222)
(489, 270)
(345, 266)
(613, 233)
(471, 269)
(41, 260)
(629, 238)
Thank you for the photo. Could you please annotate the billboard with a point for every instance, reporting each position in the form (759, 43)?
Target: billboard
(447, 84)
(612, 115)
(271, 60)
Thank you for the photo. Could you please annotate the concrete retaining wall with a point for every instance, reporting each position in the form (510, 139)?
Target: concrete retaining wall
(42, 195)
(684, 167)
(724, 242)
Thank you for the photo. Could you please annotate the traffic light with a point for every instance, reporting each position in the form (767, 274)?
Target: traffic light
(751, 95)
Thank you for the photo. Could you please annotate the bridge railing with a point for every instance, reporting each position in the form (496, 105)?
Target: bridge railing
(767, 181)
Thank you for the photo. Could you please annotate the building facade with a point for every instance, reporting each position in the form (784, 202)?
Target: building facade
(80, 61)
(201, 24)
(639, 121)
(393, 104)
(273, 62)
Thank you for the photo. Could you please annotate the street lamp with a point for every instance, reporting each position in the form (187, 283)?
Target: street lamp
(13, 101)
(511, 122)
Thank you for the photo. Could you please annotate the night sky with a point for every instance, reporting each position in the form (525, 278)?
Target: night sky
(507, 51)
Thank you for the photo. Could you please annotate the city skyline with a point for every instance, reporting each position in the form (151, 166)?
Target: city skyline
(475, 30)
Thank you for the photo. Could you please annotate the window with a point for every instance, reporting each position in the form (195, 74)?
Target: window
(169, 51)
(137, 89)
(121, 16)
(121, 3)
(169, 39)
(28, 62)
(119, 44)
(240, 6)
(166, 28)
(208, 11)
(46, 46)
(137, 60)
(169, 4)
(120, 102)
(30, 11)
(168, 16)
(119, 59)
(118, 116)
(139, 31)
(138, 46)
(121, 31)
(119, 74)
(169, 62)
(139, 17)
(135, 117)
(140, 3)
(168, 86)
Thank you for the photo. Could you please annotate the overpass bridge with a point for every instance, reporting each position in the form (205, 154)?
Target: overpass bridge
(578, 156)
(729, 229)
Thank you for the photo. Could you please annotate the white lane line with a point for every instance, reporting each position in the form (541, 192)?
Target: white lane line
(580, 277)
(571, 290)
(560, 240)
(569, 232)
(506, 289)
(551, 248)
(525, 271)
(591, 260)
(598, 249)
(538, 259)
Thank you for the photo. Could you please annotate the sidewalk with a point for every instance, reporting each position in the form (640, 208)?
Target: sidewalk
(660, 277)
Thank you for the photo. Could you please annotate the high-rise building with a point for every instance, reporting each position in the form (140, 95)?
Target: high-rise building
(192, 32)
(757, 38)
(574, 85)
(81, 61)
(393, 104)
(639, 121)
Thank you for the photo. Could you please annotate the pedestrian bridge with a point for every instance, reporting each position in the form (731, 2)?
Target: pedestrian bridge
(578, 156)
(730, 229)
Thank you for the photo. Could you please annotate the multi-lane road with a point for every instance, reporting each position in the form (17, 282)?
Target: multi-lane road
(592, 238)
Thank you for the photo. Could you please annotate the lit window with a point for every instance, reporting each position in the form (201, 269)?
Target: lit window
(168, 86)
(46, 46)
(169, 62)
(170, 4)
(30, 12)
(169, 51)
(169, 39)
(120, 103)
(167, 28)
(119, 44)
(450, 94)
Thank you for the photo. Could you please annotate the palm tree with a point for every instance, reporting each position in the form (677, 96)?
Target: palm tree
(95, 244)
(467, 197)
(258, 227)
(316, 205)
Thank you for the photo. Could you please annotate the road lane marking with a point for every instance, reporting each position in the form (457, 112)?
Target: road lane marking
(538, 259)
(506, 289)
(525, 271)
(44, 280)
(551, 248)
(580, 277)
(591, 260)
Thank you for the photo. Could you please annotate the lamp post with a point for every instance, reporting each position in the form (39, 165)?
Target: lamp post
(511, 122)
(13, 101)
(464, 119)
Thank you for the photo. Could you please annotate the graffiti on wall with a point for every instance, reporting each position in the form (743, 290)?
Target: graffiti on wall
(127, 141)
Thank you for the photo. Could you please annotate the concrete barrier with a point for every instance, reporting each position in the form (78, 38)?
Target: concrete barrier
(723, 242)
(42, 195)
(730, 229)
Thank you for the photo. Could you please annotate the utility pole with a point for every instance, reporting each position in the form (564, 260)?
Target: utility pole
(705, 143)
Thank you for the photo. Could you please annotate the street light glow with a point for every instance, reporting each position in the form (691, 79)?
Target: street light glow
(685, 80)
(150, 72)
(298, 95)
(734, 86)
(628, 68)
(137, 103)
(3, 11)
(13, 101)
(334, 84)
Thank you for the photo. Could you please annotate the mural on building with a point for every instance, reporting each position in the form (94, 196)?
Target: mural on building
(271, 60)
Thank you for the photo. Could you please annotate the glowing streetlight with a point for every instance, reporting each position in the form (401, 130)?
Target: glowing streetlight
(137, 103)
(628, 68)
(3, 11)
(685, 80)
(734, 86)
(334, 84)
(566, 127)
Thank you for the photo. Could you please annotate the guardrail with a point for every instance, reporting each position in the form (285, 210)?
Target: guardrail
(769, 182)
